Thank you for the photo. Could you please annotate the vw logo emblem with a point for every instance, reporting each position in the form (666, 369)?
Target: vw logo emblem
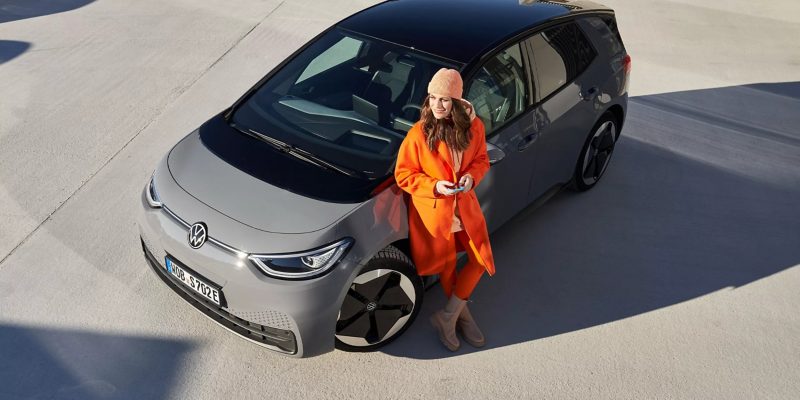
(198, 234)
(371, 306)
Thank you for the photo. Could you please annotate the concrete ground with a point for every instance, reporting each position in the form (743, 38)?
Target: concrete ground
(677, 277)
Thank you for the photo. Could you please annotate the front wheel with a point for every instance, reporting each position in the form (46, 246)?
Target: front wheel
(381, 303)
(596, 153)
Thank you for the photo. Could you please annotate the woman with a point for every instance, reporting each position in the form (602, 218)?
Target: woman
(446, 146)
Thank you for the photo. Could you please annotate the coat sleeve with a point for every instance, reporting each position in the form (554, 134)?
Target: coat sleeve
(479, 164)
(409, 174)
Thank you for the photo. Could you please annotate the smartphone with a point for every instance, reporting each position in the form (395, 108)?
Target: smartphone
(458, 189)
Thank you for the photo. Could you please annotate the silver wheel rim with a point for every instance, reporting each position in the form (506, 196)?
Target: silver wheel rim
(599, 152)
(377, 305)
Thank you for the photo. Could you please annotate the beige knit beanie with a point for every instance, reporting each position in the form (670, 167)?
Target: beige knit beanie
(447, 82)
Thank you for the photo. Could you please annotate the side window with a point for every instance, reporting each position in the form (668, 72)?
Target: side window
(498, 89)
(561, 53)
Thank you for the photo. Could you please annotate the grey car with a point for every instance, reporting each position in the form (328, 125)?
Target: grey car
(279, 218)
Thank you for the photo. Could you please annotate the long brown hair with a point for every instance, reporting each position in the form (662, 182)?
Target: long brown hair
(436, 129)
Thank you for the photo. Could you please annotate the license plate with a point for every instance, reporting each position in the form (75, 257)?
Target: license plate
(192, 281)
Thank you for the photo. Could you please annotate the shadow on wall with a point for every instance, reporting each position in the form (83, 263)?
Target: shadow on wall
(11, 48)
(13, 10)
(701, 195)
(67, 364)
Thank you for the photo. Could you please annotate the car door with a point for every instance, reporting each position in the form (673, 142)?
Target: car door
(562, 114)
(501, 93)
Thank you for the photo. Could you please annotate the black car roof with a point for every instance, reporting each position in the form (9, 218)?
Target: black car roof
(472, 25)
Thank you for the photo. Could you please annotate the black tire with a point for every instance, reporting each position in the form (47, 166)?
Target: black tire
(390, 287)
(579, 182)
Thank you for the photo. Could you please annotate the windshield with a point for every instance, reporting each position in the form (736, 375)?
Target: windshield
(347, 99)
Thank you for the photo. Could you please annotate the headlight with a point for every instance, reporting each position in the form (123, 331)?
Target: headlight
(152, 194)
(303, 265)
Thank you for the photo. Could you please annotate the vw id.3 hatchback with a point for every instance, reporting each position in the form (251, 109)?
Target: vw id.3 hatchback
(279, 218)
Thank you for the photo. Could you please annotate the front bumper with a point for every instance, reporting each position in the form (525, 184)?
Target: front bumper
(280, 340)
(293, 318)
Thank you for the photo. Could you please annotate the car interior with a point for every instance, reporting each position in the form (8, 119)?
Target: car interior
(358, 98)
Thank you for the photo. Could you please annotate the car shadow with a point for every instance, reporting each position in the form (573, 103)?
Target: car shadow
(42, 362)
(700, 196)
(14, 10)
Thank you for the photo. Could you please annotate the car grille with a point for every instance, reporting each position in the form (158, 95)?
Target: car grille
(266, 318)
(281, 340)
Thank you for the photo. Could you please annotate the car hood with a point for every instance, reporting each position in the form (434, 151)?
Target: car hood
(244, 198)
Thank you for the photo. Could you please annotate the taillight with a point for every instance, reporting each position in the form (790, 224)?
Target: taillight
(626, 64)
(383, 186)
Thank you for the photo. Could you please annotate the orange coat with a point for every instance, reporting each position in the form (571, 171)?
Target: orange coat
(430, 216)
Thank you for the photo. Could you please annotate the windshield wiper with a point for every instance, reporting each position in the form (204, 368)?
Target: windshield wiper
(284, 147)
(296, 152)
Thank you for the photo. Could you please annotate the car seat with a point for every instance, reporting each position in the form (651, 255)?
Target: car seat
(391, 90)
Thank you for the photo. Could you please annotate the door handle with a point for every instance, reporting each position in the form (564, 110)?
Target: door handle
(495, 154)
(527, 141)
(589, 94)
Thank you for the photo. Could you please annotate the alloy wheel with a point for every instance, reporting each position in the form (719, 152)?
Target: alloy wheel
(377, 305)
(599, 152)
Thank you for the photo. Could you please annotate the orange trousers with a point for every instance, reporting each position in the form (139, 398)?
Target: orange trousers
(465, 282)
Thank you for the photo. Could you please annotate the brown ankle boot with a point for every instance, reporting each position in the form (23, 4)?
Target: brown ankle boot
(445, 320)
(469, 330)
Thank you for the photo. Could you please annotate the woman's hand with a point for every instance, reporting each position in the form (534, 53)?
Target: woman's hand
(466, 182)
(445, 188)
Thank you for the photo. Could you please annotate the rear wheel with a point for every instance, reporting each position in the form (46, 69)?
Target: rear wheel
(381, 303)
(596, 154)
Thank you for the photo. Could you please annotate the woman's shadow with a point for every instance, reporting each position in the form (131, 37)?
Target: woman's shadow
(658, 230)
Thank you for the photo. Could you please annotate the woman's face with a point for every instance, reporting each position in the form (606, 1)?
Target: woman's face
(440, 105)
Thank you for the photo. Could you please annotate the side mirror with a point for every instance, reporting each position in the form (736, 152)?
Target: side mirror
(494, 153)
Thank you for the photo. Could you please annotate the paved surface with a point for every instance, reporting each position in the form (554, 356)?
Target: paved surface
(676, 277)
